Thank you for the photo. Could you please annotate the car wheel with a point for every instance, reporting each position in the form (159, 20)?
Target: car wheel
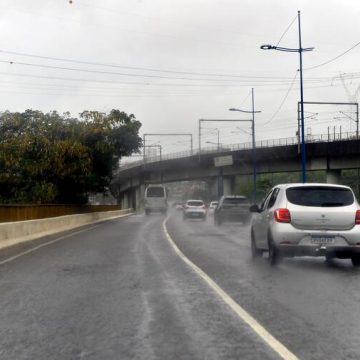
(355, 259)
(204, 218)
(274, 256)
(329, 257)
(147, 212)
(255, 252)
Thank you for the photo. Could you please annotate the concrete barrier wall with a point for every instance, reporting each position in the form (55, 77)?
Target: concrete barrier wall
(12, 233)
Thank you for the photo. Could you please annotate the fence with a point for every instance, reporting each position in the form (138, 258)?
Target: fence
(10, 213)
(329, 137)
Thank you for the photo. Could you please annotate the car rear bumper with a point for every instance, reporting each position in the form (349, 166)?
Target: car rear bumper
(155, 208)
(195, 214)
(234, 216)
(342, 251)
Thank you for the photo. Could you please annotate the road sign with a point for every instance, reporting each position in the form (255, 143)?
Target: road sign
(223, 161)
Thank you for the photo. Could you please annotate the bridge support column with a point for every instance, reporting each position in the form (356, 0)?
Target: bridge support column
(333, 176)
(228, 185)
(221, 186)
(124, 200)
(140, 192)
(128, 199)
(213, 188)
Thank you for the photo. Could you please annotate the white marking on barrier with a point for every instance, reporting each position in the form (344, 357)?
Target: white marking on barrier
(43, 245)
(58, 239)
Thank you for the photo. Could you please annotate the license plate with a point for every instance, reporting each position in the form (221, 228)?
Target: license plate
(323, 239)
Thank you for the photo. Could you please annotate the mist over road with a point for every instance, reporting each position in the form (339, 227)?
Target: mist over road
(118, 290)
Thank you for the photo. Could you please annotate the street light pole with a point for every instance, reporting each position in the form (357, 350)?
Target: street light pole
(303, 147)
(253, 145)
(300, 50)
(253, 140)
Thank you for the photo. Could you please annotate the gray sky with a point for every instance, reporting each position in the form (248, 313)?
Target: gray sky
(174, 62)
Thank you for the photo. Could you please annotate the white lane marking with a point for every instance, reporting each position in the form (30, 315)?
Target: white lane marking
(43, 245)
(275, 344)
(56, 240)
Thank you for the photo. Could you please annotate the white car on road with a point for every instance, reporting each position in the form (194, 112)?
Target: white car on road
(212, 207)
(307, 220)
(194, 209)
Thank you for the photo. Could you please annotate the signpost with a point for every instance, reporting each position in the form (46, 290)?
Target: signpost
(223, 161)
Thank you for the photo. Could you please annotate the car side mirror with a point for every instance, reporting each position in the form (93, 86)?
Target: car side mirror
(254, 208)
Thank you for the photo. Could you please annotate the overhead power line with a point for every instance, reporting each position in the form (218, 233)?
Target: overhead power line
(133, 75)
(125, 82)
(333, 59)
(287, 29)
(283, 101)
(74, 61)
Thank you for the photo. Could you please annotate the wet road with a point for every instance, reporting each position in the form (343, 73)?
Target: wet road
(118, 290)
(311, 306)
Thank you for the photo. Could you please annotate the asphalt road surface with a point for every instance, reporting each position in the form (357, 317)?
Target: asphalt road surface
(118, 290)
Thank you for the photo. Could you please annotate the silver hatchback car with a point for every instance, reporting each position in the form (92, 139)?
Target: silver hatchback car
(307, 220)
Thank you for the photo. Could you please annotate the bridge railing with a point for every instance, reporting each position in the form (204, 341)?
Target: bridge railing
(329, 137)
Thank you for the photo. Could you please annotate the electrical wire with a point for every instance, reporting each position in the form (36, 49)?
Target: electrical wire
(283, 101)
(125, 82)
(287, 29)
(147, 68)
(333, 59)
(127, 74)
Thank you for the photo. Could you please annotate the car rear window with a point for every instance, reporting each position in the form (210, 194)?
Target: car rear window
(235, 201)
(319, 196)
(155, 192)
(195, 203)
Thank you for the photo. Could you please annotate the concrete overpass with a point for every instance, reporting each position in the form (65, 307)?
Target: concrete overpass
(273, 156)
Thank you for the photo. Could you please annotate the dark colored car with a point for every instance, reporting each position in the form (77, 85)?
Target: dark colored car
(233, 208)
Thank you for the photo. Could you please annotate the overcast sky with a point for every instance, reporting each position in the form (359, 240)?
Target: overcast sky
(172, 62)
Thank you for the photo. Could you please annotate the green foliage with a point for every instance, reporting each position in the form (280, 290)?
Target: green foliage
(265, 182)
(53, 158)
(351, 177)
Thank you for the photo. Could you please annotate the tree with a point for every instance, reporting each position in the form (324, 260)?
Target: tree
(53, 158)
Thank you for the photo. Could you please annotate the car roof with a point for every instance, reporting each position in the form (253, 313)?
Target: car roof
(288, 185)
(234, 197)
(195, 200)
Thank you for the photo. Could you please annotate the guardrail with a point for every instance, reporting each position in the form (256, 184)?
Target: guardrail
(330, 137)
(12, 233)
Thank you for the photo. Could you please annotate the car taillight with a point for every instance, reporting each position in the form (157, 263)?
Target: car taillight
(357, 217)
(282, 215)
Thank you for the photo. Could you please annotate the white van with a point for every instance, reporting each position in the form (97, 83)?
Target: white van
(155, 199)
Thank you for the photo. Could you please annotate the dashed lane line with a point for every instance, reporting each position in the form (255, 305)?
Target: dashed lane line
(269, 339)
